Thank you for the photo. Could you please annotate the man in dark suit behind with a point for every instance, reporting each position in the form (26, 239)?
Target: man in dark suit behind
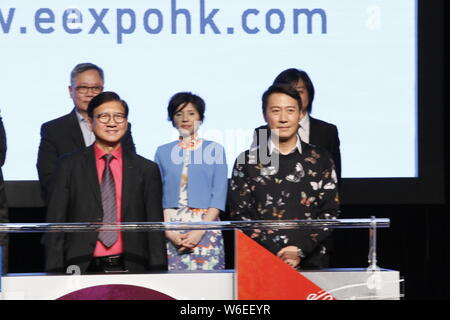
(78, 194)
(71, 131)
(326, 135)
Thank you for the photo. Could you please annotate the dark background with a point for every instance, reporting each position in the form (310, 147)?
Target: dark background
(418, 241)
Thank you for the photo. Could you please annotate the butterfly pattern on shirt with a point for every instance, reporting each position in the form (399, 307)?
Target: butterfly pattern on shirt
(304, 187)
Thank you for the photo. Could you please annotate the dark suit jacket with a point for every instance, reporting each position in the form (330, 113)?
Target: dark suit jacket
(75, 197)
(322, 134)
(326, 135)
(3, 203)
(61, 136)
(2, 143)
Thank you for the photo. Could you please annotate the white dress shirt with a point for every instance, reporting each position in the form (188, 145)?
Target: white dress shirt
(303, 131)
(273, 146)
(88, 135)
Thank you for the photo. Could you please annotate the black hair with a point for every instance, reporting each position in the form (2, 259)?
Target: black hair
(182, 99)
(103, 97)
(281, 88)
(292, 76)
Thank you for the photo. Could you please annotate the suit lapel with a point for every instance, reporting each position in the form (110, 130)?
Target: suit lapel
(91, 172)
(128, 179)
(77, 135)
(313, 134)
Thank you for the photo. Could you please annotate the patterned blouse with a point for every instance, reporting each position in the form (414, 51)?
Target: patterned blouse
(297, 186)
(209, 253)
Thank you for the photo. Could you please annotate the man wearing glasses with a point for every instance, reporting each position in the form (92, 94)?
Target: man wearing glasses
(71, 132)
(104, 183)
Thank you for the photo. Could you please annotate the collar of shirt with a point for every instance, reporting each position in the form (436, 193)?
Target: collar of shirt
(88, 135)
(79, 116)
(189, 143)
(303, 131)
(99, 153)
(272, 146)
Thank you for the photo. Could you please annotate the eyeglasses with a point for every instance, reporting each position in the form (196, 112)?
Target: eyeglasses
(84, 89)
(106, 117)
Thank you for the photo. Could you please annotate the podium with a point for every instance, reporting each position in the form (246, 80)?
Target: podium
(258, 274)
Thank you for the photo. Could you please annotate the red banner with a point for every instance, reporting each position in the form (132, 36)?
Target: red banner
(261, 275)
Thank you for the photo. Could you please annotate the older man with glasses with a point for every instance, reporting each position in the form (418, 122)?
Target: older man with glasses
(71, 132)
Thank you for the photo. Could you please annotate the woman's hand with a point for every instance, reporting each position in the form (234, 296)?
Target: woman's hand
(192, 238)
(175, 237)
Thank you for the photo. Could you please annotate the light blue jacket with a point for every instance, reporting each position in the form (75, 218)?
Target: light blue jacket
(207, 175)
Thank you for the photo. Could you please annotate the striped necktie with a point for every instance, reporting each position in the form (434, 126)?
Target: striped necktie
(108, 192)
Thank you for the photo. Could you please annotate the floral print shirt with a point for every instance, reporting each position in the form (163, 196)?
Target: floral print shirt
(289, 187)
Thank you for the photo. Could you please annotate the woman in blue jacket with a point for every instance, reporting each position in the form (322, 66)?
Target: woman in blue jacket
(194, 175)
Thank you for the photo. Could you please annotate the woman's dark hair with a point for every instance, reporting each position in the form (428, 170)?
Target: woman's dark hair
(281, 88)
(182, 99)
(104, 97)
(292, 77)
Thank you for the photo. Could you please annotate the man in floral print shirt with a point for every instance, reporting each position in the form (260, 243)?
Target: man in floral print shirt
(286, 179)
